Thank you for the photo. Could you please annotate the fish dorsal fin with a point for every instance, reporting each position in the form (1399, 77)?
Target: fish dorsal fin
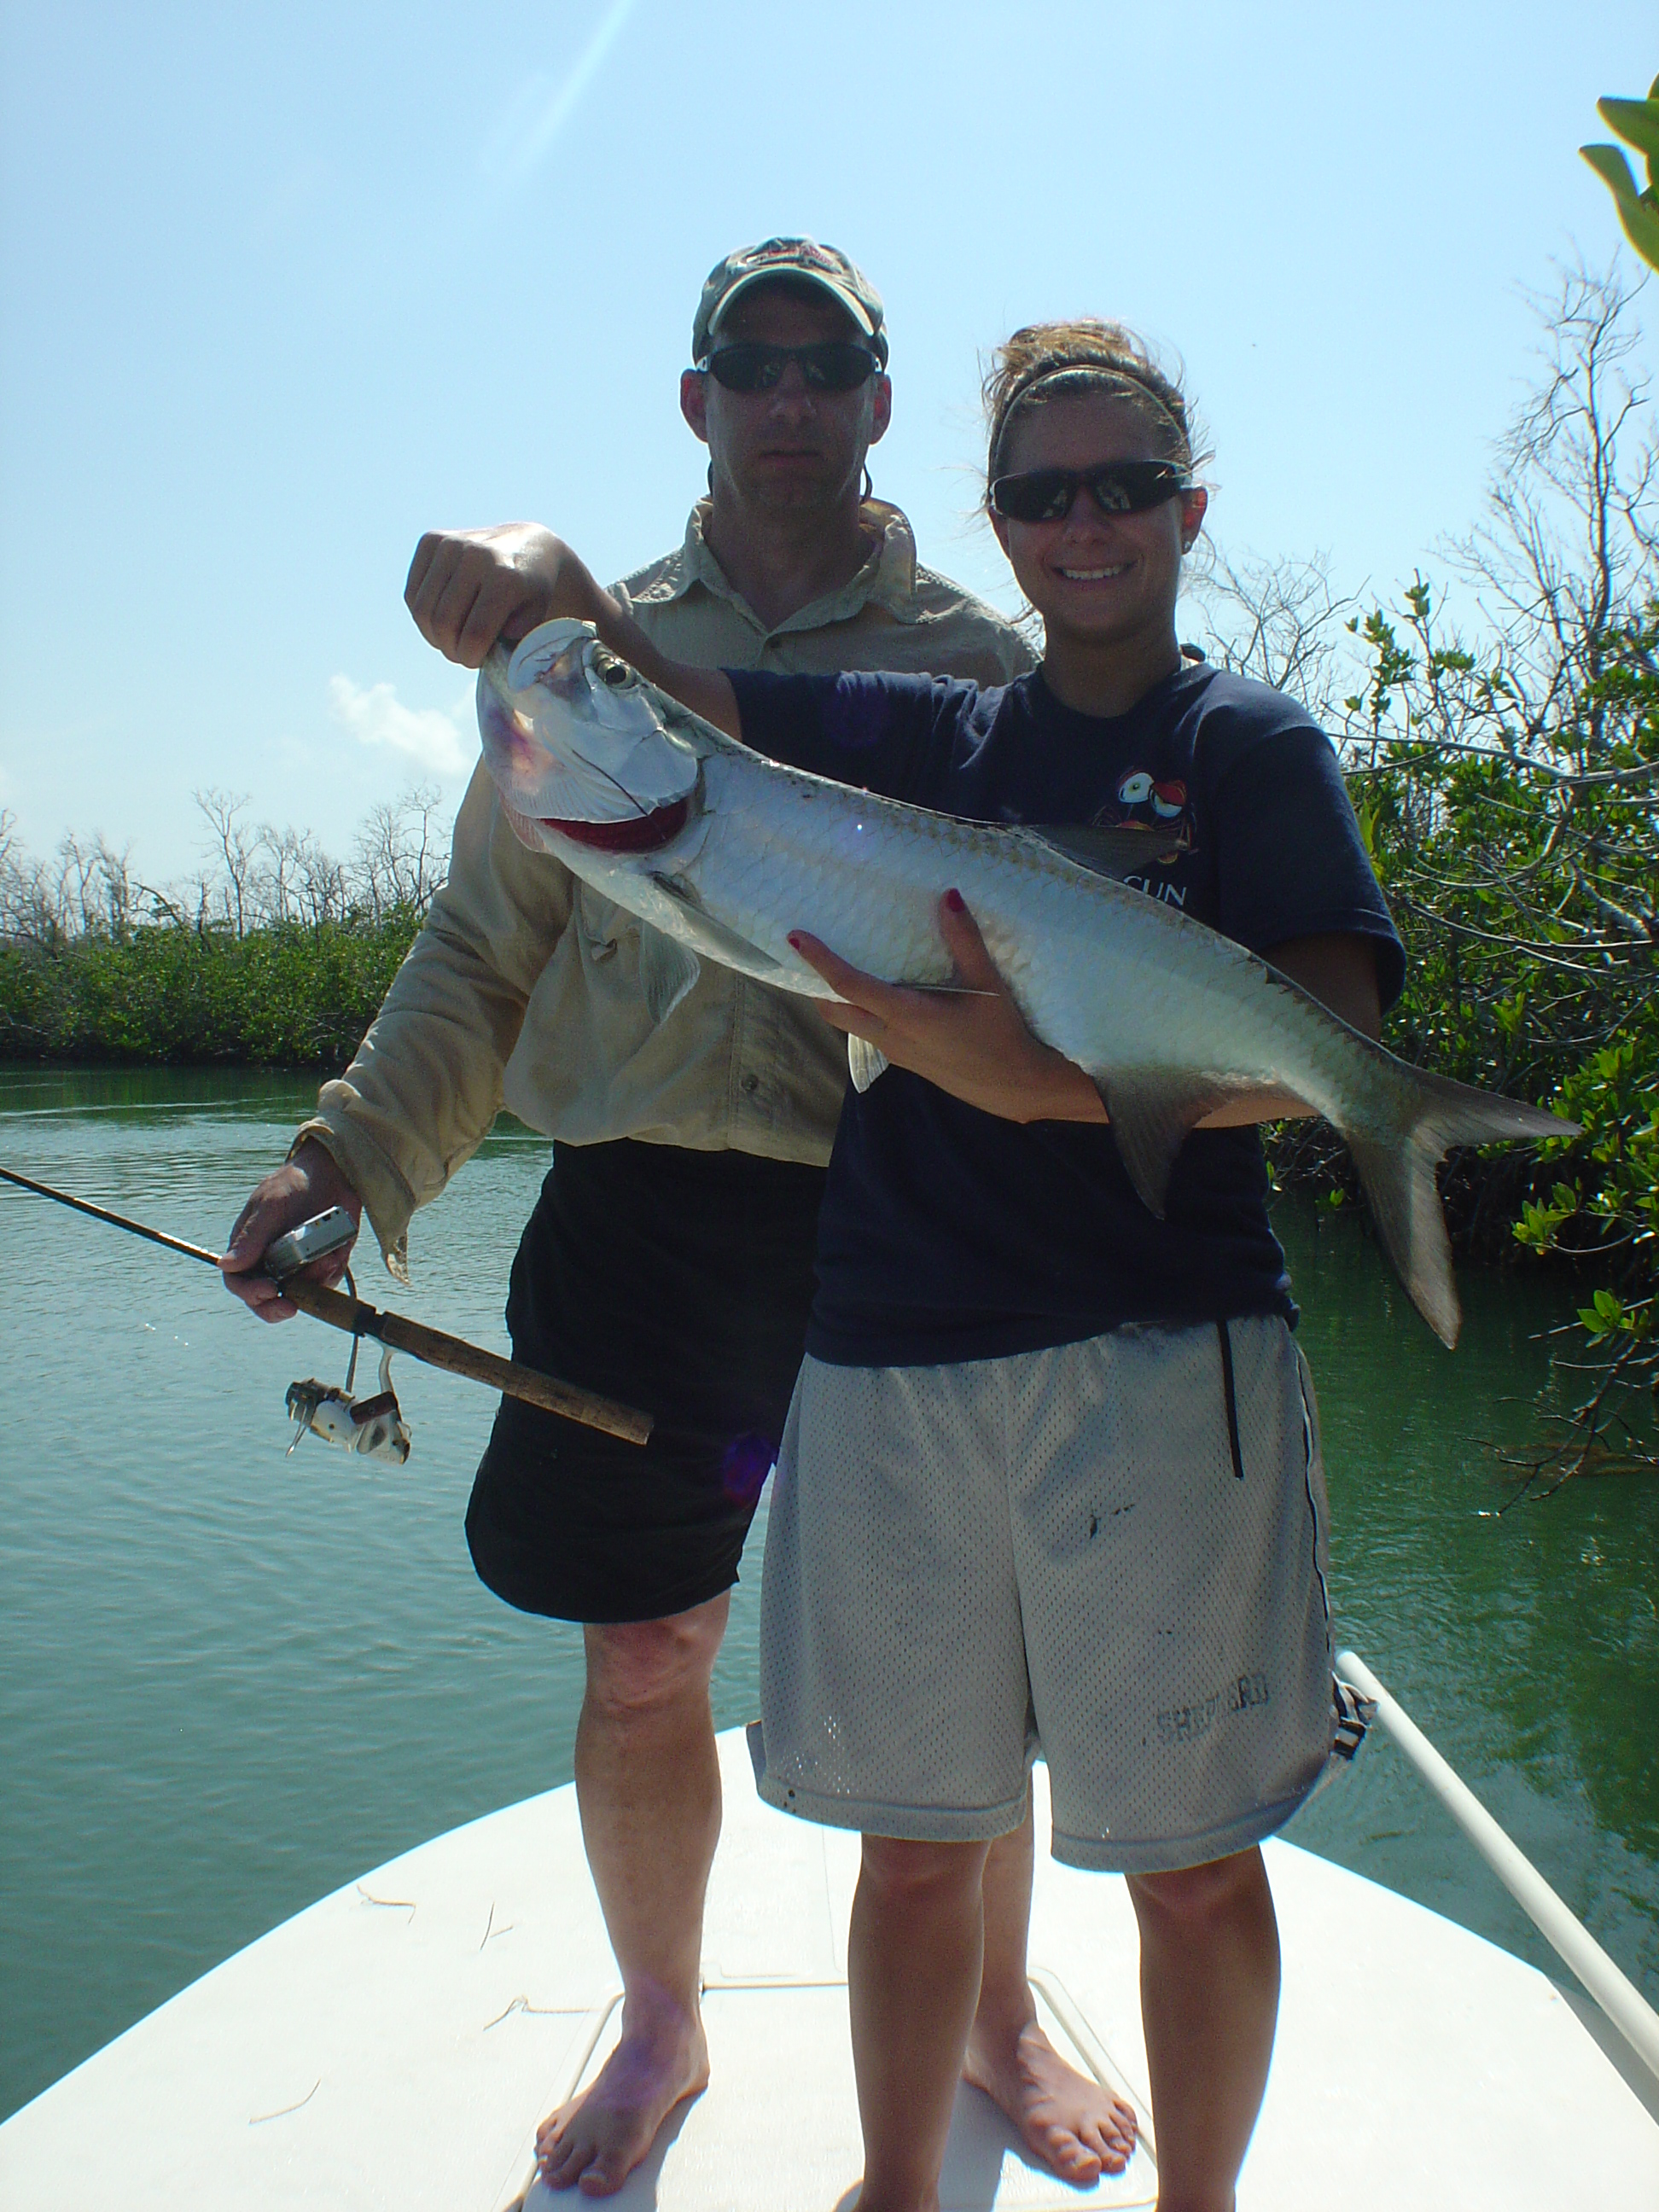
(864, 1061)
(1107, 851)
(1152, 1113)
(667, 972)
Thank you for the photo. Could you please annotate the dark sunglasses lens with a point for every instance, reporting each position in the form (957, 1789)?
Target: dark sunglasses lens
(1117, 487)
(836, 366)
(1041, 496)
(1132, 487)
(747, 368)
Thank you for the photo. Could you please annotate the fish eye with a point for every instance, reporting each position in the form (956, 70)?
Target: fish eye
(615, 673)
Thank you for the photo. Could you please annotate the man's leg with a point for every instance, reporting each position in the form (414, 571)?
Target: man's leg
(1071, 2122)
(648, 1782)
(914, 1955)
(1209, 2000)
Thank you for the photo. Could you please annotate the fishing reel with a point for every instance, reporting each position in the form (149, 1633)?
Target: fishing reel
(373, 1426)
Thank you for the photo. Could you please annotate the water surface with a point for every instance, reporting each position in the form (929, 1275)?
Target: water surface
(231, 1680)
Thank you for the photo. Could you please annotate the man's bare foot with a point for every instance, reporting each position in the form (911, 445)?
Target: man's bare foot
(1076, 2128)
(594, 2142)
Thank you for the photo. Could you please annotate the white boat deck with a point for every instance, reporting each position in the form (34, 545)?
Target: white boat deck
(395, 2045)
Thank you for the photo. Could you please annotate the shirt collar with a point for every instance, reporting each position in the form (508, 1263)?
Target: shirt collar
(887, 579)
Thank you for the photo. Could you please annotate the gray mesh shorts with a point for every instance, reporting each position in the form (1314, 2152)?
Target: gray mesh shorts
(1111, 1553)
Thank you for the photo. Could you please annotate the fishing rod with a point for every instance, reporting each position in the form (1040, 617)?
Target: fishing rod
(433, 1346)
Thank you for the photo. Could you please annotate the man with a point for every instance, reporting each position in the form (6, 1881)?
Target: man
(669, 1261)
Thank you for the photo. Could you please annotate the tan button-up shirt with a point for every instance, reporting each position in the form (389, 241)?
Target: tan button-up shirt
(523, 987)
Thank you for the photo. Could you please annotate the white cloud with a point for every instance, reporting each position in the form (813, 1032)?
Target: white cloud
(440, 744)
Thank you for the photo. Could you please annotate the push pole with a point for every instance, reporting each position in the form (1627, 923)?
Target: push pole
(1618, 1996)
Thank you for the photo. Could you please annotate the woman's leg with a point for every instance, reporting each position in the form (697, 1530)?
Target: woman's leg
(914, 1953)
(1073, 2123)
(1209, 1999)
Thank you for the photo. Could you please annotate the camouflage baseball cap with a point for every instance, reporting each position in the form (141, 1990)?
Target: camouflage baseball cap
(800, 258)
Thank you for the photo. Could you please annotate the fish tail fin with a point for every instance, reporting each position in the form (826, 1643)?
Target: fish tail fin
(1396, 1166)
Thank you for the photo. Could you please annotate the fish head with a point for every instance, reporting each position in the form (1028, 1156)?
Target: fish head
(574, 739)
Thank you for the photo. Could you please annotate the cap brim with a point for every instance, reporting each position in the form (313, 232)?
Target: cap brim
(785, 274)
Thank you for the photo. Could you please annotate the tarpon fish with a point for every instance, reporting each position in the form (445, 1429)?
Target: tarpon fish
(723, 852)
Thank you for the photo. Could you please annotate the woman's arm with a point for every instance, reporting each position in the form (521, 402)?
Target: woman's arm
(974, 1042)
(469, 590)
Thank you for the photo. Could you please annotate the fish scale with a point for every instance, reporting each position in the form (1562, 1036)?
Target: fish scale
(722, 854)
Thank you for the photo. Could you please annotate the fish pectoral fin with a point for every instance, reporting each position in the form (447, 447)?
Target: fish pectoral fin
(1108, 852)
(712, 937)
(1152, 1112)
(667, 972)
(864, 1061)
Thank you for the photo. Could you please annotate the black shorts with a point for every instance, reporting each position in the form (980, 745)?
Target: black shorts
(677, 1281)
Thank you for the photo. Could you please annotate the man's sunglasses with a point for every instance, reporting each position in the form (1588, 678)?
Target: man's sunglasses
(1115, 487)
(837, 365)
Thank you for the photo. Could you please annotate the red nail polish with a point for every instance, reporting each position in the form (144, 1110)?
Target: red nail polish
(955, 901)
(794, 938)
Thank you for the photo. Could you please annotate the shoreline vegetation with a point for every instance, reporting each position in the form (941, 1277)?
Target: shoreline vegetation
(1500, 736)
(288, 994)
(274, 955)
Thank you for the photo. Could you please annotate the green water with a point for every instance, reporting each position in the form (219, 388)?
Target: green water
(230, 1681)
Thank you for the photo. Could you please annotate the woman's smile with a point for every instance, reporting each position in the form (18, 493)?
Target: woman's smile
(1104, 581)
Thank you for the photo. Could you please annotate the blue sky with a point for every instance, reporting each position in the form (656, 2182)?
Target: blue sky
(285, 286)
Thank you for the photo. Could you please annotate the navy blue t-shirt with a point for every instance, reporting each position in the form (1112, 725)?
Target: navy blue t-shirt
(949, 1234)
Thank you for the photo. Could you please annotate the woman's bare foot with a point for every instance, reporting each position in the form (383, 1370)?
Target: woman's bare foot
(594, 2142)
(1077, 2128)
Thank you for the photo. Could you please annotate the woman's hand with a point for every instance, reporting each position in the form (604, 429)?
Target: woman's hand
(972, 1041)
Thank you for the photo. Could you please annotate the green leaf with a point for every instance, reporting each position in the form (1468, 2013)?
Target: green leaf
(1613, 169)
(1635, 121)
(1639, 212)
(1641, 220)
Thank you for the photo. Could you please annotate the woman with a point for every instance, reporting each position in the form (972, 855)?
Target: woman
(1051, 1477)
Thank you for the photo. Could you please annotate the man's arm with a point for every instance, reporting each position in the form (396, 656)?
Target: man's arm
(425, 1084)
(423, 1087)
(975, 1043)
(469, 590)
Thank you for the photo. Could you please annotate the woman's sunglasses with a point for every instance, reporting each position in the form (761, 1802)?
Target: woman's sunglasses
(1115, 487)
(837, 365)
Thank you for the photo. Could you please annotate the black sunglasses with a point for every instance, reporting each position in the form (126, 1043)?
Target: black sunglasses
(1115, 487)
(837, 365)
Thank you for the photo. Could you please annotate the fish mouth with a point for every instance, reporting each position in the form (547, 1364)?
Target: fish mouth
(635, 833)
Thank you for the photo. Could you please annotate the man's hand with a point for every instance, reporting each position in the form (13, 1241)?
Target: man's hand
(307, 1184)
(972, 1041)
(468, 589)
